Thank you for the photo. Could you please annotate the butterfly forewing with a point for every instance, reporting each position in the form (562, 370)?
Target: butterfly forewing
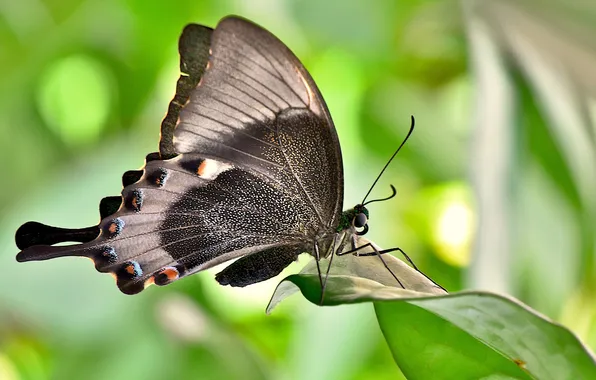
(256, 172)
(258, 107)
(193, 47)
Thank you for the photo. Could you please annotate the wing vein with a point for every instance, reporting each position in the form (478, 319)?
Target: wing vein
(234, 149)
(227, 81)
(263, 83)
(248, 58)
(272, 179)
(243, 80)
(207, 85)
(216, 98)
(264, 46)
(312, 205)
(238, 130)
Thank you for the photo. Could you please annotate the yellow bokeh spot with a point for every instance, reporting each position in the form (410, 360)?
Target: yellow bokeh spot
(451, 222)
(453, 233)
(7, 369)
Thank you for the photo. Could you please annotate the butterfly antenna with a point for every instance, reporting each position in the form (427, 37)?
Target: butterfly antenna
(388, 162)
(382, 199)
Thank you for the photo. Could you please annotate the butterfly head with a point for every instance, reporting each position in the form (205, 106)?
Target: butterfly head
(356, 217)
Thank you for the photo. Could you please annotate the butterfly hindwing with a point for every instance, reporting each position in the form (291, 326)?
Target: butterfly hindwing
(215, 212)
(259, 266)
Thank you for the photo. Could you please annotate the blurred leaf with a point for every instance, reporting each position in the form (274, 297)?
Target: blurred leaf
(491, 166)
(28, 356)
(74, 98)
(551, 46)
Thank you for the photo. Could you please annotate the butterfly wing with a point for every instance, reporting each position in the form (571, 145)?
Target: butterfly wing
(257, 106)
(257, 175)
(193, 47)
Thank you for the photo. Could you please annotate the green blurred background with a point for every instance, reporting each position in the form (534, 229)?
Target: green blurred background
(495, 188)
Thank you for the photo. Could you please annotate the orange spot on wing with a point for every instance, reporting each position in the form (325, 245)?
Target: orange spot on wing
(202, 167)
(171, 273)
(150, 281)
(130, 269)
(113, 228)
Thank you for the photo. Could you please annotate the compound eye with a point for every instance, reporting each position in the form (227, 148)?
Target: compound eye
(360, 220)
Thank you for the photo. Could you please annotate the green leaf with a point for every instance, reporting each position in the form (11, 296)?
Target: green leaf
(354, 278)
(474, 331)
(468, 335)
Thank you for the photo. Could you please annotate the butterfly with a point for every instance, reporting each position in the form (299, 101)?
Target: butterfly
(249, 168)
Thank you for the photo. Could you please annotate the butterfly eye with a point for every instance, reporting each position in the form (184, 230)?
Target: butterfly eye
(360, 220)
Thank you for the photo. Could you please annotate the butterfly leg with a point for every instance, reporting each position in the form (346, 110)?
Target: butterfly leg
(356, 249)
(407, 258)
(392, 250)
(324, 283)
(378, 253)
(317, 259)
(375, 253)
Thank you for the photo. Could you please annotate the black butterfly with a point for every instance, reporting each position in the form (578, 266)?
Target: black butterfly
(249, 168)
